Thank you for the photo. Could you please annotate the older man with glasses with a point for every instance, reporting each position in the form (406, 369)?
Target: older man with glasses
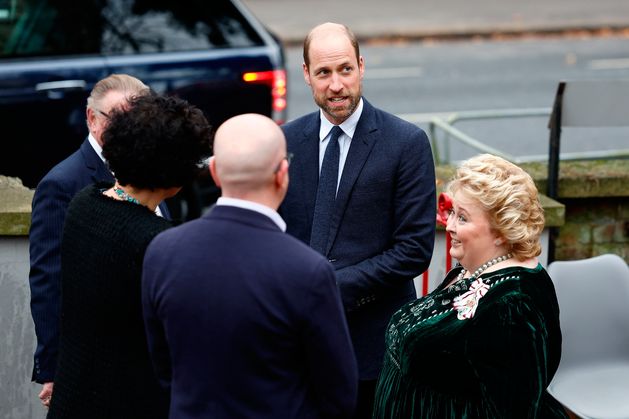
(52, 196)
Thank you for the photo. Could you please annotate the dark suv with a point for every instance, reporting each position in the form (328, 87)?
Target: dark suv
(213, 53)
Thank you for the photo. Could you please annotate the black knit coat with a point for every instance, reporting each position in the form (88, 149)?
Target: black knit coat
(104, 370)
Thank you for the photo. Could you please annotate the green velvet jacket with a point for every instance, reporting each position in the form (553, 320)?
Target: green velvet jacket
(490, 358)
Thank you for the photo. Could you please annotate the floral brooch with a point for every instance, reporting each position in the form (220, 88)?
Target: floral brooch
(466, 304)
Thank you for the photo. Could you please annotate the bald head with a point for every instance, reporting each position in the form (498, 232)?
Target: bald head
(325, 30)
(247, 151)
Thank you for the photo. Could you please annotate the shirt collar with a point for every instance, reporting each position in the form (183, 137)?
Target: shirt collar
(97, 148)
(348, 126)
(254, 206)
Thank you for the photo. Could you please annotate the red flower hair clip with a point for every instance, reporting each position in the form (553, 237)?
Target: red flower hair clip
(444, 206)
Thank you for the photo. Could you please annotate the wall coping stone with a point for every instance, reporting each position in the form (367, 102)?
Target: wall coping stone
(15, 207)
(577, 179)
(585, 178)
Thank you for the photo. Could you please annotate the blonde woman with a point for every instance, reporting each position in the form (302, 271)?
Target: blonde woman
(486, 343)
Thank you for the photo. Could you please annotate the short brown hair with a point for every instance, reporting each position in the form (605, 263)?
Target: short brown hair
(350, 35)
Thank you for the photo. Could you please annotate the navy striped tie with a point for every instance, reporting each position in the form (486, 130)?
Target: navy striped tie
(326, 193)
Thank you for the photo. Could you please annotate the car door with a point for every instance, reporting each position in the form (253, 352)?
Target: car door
(196, 49)
(214, 54)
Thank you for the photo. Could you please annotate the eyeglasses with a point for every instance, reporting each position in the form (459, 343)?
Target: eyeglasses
(288, 158)
(106, 115)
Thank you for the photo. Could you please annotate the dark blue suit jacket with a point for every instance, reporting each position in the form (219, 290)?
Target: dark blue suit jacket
(383, 225)
(245, 321)
(50, 203)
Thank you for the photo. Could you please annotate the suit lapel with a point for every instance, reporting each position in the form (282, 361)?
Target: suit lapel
(98, 169)
(362, 143)
(307, 156)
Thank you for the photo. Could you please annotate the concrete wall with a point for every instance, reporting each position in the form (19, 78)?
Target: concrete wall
(18, 395)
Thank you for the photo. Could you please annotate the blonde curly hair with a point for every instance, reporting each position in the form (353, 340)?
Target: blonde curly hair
(508, 196)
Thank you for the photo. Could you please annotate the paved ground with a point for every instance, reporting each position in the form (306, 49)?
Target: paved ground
(379, 19)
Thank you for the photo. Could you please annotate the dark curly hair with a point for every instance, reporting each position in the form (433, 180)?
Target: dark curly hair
(158, 142)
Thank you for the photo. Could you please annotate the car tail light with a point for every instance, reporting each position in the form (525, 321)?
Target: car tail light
(276, 80)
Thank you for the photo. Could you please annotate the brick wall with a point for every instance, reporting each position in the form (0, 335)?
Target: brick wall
(594, 226)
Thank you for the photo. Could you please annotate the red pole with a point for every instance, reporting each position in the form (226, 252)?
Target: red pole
(425, 283)
(448, 257)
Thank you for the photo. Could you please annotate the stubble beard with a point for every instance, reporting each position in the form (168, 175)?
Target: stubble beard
(340, 114)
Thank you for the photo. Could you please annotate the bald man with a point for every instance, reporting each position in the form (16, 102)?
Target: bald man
(243, 320)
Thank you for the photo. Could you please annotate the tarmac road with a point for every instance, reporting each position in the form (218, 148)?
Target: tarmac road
(377, 19)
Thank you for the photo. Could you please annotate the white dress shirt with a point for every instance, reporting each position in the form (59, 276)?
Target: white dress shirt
(349, 127)
(254, 206)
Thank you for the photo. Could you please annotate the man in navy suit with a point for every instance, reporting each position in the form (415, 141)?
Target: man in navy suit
(50, 202)
(379, 234)
(243, 320)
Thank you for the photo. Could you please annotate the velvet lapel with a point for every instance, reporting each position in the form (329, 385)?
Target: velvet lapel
(362, 143)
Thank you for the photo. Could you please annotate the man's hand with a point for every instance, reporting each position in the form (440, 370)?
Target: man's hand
(46, 394)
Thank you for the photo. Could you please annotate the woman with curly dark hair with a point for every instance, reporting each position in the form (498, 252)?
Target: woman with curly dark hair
(153, 147)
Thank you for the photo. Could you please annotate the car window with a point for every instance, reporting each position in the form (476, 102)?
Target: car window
(108, 27)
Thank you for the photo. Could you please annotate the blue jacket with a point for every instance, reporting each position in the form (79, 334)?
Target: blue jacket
(245, 321)
(50, 203)
(383, 225)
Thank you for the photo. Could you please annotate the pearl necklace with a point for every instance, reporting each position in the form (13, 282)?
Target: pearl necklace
(125, 196)
(484, 266)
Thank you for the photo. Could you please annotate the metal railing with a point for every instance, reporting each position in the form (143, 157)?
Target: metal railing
(445, 122)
